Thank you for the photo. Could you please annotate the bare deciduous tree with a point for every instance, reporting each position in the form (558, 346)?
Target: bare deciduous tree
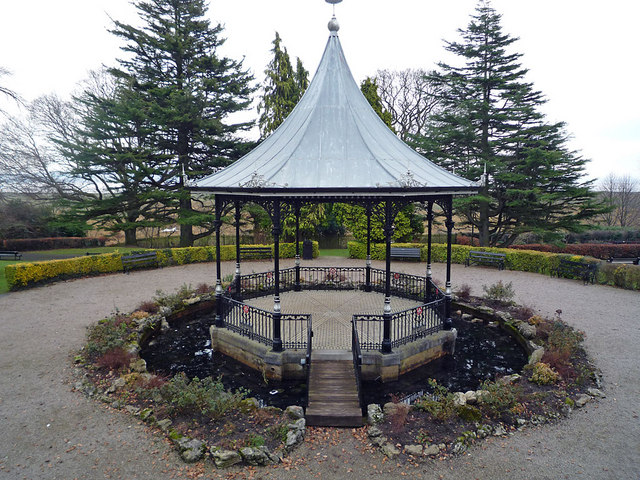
(622, 193)
(410, 98)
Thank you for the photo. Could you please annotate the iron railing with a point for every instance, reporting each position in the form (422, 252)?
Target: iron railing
(406, 326)
(357, 360)
(403, 285)
(331, 278)
(251, 322)
(257, 324)
(295, 329)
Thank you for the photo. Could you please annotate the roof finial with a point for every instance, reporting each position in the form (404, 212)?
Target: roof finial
(334, 26)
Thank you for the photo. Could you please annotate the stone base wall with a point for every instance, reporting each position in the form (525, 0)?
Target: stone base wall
(273, 365)
(388, 367)
(375, 365)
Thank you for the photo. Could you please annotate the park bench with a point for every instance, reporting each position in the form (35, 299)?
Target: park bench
(404, 252)
(571, 269)
(486, 258)
(139, 260)
(10, 253)
(255, 252)
(627, 260)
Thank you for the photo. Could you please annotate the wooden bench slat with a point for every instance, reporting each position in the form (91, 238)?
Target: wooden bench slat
(405, 252)
(256, 252)
(134, 260)
(486, 258)
(11, 253)
(585, 271)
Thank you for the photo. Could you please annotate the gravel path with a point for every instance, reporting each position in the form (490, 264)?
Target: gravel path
(51, 432)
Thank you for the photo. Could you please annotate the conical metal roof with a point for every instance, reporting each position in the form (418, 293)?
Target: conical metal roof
(333, 143)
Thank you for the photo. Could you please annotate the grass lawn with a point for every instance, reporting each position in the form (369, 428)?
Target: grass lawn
(4, 288)
(335, 252)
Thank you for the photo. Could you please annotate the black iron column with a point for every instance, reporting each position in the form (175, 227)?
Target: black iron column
(217, 224)
(386, 314)
(297, 287)
(428, 292)
(277, 313)
(449, 224)
(367, 285)
(238, 286)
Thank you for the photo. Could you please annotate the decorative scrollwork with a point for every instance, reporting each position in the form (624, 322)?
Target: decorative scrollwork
(258, 181)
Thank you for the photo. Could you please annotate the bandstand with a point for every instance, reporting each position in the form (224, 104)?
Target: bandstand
(333, 148)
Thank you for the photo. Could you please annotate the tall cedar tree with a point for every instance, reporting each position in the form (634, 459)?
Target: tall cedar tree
(490, 117)
(283, 88)
(112, 150)
(189, 92)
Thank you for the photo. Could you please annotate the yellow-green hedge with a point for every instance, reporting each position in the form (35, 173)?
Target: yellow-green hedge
(24, 275)
(623, 276)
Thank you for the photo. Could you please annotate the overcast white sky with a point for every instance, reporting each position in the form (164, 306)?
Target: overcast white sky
(582, 54)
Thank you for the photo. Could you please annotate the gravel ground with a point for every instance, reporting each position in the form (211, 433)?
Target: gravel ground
(51, 432)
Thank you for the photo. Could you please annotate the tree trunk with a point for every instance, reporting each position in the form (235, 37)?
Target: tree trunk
(130, 237)
(186, 231)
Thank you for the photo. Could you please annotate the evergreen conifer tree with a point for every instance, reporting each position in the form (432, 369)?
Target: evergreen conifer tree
(187, 93)
(283, 88)
(490, 118)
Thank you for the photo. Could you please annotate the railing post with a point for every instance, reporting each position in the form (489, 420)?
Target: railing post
(367, 285)
(386, 315)
(297, 287)
(238, 273)
(277, 312)
(430, 226)
(217, 223)
(448, 323)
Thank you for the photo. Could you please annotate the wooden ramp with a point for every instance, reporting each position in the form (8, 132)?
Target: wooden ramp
(333, 392)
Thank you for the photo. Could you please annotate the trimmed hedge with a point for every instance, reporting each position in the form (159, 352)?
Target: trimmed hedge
(24, 275)
(596, 250)
(623, 276)
(27, 244)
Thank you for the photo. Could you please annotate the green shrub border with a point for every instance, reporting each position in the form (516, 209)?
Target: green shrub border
(616, 275)
(25, 275)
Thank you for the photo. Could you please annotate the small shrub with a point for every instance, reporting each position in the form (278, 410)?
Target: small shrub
(535, 320)
(440, 404)
(203, 289)
(254, 440)
(115, 359)
(139, 315)
(207, 397)
(469, 413)
(498, 398)
(543, 374)
(278, 432)
(499, 292)
(560, 361)
(107, 334)
(524, 311)
(173, 301)
(148, 306)
(464, 291)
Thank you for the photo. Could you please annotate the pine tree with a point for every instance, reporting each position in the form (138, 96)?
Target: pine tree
(282, 88)
(188, 92)
(490, 118)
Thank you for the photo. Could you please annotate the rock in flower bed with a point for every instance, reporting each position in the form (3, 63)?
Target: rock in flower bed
(200, 417)
(558, 378)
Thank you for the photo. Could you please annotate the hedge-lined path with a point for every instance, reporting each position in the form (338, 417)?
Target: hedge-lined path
(49, 431)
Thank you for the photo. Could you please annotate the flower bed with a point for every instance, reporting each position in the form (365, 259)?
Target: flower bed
(558, 378)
